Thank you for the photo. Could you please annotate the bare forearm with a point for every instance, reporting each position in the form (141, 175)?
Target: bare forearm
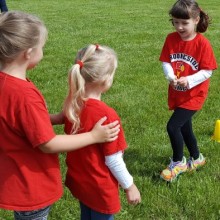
(65, 143)
(99, 134)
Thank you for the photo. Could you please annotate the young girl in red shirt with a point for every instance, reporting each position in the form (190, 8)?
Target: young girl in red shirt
(94, 174)
(188, 63)
(30, 180)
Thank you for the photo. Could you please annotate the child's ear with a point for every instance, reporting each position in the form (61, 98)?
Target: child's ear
(27, 53)
(197, 20)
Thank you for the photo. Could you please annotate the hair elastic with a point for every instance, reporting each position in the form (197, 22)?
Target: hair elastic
(96, 46)
(80, 63)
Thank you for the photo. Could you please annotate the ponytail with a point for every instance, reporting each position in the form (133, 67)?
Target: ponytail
(203, 22)
(75, 98)
(186, 9)
(94, 65)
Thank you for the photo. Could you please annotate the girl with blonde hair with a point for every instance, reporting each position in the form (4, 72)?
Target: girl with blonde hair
(29, 167)
(95, 173)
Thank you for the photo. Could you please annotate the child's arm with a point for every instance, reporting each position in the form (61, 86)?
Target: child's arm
(57, 119)
(99, 134)
(168, 71)
(118, 168)
(195, 79)
(169, 74)
(133, 195)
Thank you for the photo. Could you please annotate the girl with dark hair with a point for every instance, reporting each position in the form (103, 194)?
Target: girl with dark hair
(188, 62)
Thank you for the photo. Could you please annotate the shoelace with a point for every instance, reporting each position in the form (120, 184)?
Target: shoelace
(172, 164)
(171, 167)
(192, 161)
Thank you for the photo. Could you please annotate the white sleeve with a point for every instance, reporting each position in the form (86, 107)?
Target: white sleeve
(168, 71)
(119, 170)
(199, 77)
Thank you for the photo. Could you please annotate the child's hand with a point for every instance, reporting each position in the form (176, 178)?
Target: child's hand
(133, 195)
(105, 133)
(182, 81)
(173, 82)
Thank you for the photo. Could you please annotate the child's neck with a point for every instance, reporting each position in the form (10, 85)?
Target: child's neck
(189, 38)
(93, 91)
(93, 96)
(15, 71)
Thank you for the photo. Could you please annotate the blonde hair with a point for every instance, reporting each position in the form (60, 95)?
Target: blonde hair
(19, 31)
(94, 64)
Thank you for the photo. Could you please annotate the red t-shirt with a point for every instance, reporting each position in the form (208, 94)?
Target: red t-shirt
(29, 178)
(187, 58)
(88, 178)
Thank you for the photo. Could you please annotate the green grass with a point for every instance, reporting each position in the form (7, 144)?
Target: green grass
(136, 29)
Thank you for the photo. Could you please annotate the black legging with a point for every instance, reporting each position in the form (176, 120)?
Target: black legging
(179, 129)
(3, 6)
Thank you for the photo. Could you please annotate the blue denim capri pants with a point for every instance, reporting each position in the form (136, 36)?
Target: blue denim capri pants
(40, 214)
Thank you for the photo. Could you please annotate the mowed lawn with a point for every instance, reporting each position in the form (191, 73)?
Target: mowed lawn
(136, 30)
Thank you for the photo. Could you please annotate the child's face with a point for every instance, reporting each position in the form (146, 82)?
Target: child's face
(36, 55)
(186, 27)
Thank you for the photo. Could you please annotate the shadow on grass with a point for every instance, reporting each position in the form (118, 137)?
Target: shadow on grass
(145, 164)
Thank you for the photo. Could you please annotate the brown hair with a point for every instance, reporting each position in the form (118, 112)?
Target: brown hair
(186, 9)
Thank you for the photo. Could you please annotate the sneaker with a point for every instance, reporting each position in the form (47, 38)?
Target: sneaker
(195, 164)
(173, 170)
